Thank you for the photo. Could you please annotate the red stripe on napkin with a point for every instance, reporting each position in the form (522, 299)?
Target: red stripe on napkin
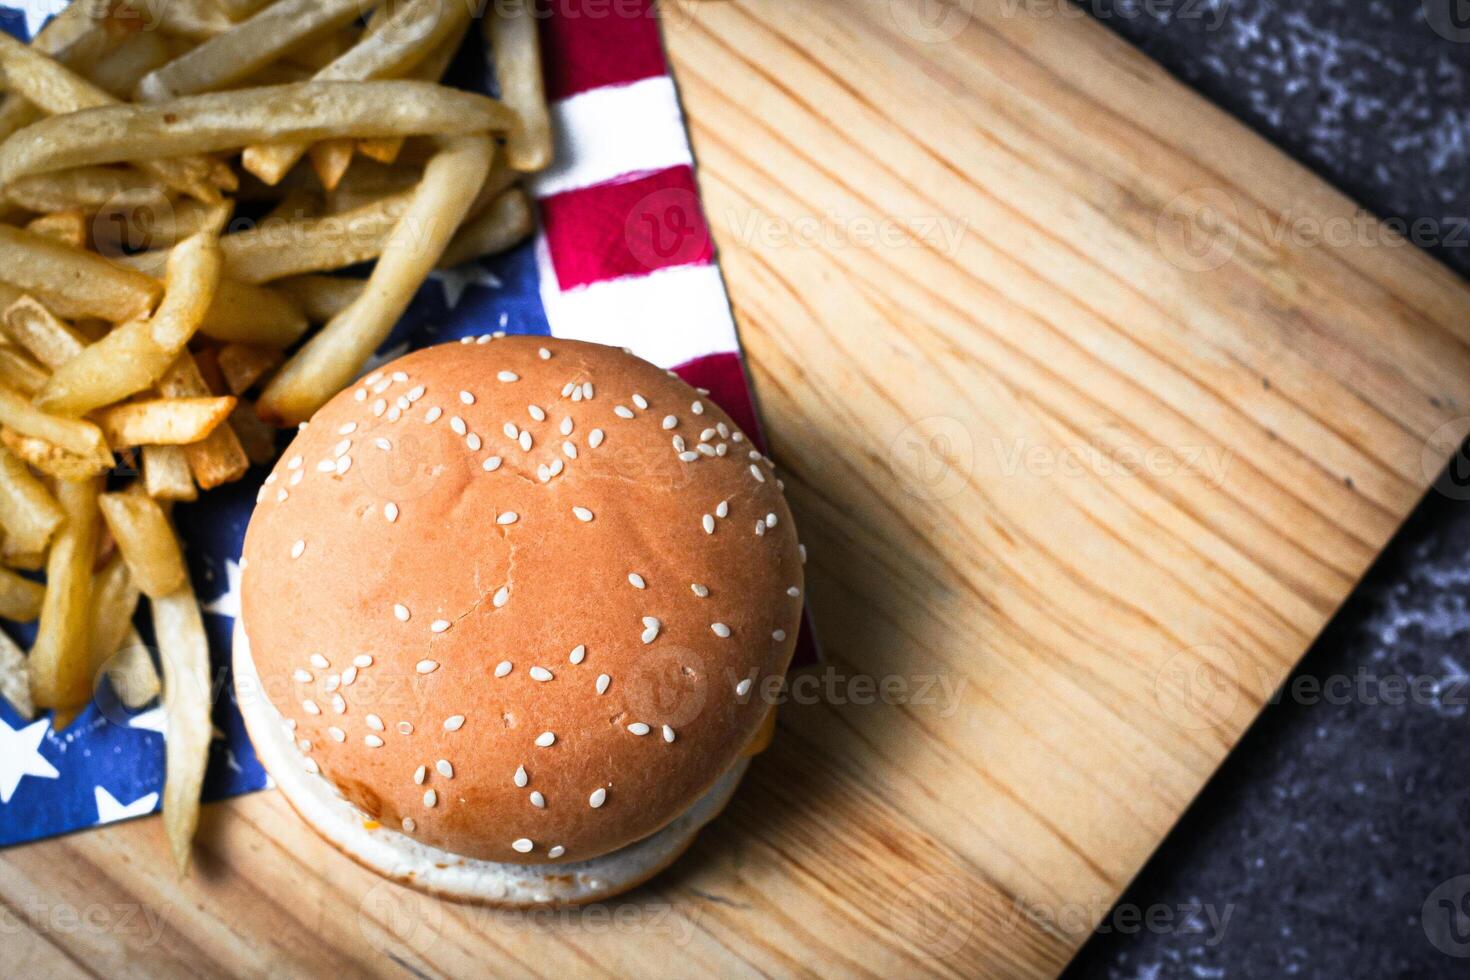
(587, 44)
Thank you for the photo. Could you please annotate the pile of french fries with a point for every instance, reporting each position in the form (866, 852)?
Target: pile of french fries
(174, 196)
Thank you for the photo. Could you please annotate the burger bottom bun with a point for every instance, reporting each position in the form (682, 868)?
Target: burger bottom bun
(438, 872)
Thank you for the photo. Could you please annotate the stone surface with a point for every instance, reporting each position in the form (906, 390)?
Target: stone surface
(1329, 842)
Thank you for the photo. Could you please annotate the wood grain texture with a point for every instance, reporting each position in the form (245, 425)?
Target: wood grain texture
(1087, 439)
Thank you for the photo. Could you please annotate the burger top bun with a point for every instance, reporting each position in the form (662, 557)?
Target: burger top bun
(517, 597)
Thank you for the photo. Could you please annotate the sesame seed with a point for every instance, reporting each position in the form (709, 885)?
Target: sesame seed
(697, 408)
(760, 528)
(622, 411)
(339, 705)
(333, 683)
(390, 511)
(374, 722)
(294, 463)
(668, 734)
(502, 596)
(536, 412)
(326, 466)
(755, 471)
(582, 514)
(439, 626)
(453, 723)
(723, 510)
(372, 741)
(491, 464)
(362, 660)
(743, 688)
(639, 728)
(338, 735)
(556, 467)
(568, 388)
(705, 449)
(427, 666)
(405, 728)
(400, 612)
(343, 465)
(502, 668)
(432, 415)
(395, 413)
(420, 774)
(801, 550)
(556, 851)
(540, 674)
(594, 438)
(578, 654)
(719, 629)
(640, 401)
(473, 442)
(348, 676)
(415, 393)
(445, 769)
(546, 739)
(543, 353)
(319, 662)
(576, 391)
(466, 397)
(598, 797)
(383, 444)
(679, 444)
(793, 592)
(302, 676)
(650, 629)
(379, 407)
(569, 450)
(700, 590)
(779, 635)
(400, 376)
(457, 424)
(688, 457)
(602, 682)
(360, 395)
(508, 376)
(310, 766)
(636, 580)
(670, 422)
(296, 477)
(509, 517)
(310, 707)
(526, 441)
(402, 402)
(537, 800)
(409, 825)
(708, 523)
(297, 549)
(587, 390)
(431, 798)
(523, 845)
(723, 430)
(566, 426)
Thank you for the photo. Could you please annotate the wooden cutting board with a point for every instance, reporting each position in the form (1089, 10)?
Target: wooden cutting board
(1088, 437)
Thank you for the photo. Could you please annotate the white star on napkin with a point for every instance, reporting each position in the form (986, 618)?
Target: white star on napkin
(109, 810)
(38, 12)
(227, 603)
(456, 280)
(20, 756)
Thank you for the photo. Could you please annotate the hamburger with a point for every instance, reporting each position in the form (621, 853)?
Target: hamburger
(506, 607)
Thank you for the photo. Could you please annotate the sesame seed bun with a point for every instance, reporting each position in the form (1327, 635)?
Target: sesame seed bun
(513, 600)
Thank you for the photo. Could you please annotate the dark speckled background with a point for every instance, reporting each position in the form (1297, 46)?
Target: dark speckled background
(1328, 829)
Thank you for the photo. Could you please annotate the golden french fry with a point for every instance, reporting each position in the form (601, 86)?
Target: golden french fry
(15, 679)
(131, 672)
(256, 437)
(218, 458)
(381, 150)
(136, 55)
(252, 45)
(510, 33)
(166, 474)
(28, 561)
(240, 9)
(114, 600)
(194, 20)
(330, 159)
(163, 421)
(110, 189)
(147, 542)
(20, 598)
(51, 460)
(244, 364)
(72, 282)
(226, 120)
(508, 220)
(402, 39)
(28, 512)
(183, 647)
(60, 661)
(329, 361)
(253, 315)
(194, 270)
(153, 228)
(76, 436)
(67, 227)
(37, 329)
(321, 297)
(18, 370)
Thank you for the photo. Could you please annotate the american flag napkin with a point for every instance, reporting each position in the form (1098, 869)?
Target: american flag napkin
(623, 256)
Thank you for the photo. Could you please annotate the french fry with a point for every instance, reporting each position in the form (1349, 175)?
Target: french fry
(219, 457)
(20, 598)
(147, 542)
(194, 20)
(152, 228)
(109, 189)
(401, 40)
(321, 297)
(76, 436)
(27, 561)
(166, 474)
(508, 220)
(218, 121)
(51, 459)
(20, 372)
(67, 227)
(163, 421)
(238, 10)
(253, 315)
(131, 672)
(136, 354)
(60, 660)
(244, 364)
(510, 33)
(37, 329)
(331, 359)
(114, 600)
(136, 55)
(28, 511)
(15, 680)
(330, 159)
(256, 437)
(183, 647)
(246, 48)
(72, 282)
